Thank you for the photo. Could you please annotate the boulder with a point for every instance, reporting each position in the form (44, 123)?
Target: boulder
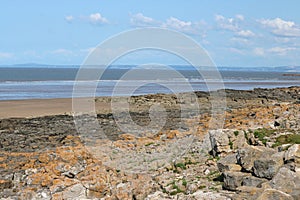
(293, 154)
(268, 167)
(286, 181)
(233, 180)
(252, 181)
(271, 194)
(247, 156)
(237, 138)
(219, 142)
(75, 192)
(228, 163)
(247, 192)
(224, 141)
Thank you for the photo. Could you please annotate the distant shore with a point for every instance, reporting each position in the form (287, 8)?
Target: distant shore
(291, 74)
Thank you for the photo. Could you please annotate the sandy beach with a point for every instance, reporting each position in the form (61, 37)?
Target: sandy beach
(40, 107)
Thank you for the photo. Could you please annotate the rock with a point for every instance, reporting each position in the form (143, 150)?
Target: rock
(4, 184)
(191, 188)
(284, 147)
(205, 145)
(207, 171)
(209, 196)
(42, 195)
(247, 156)
(228, 163)
(267, 168)
(158, 195)
(252, 181)
(286, 181)
(238, 140)
(248, 192)
(74, 192)
(233, 180)
(292, 154)
(123, 192)
(271, 194)
(219, 142)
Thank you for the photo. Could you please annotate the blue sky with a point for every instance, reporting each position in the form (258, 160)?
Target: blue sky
(235, 33)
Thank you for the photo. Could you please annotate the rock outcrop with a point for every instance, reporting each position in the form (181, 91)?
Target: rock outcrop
(255, 156)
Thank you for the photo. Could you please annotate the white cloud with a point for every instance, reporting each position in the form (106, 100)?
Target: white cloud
(236, 50)
(182, 26)
(94, 18)
(259, 51)
(6, 55)
(278, 51)
(245, 33)
(240, 40)
(97, 18)
(139, 20)
(61, 52)
(69, 18)
(240, 17)
(230, 24)
(281, 27)
(281, 50)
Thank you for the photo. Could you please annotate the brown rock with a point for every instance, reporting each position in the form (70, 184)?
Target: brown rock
(4, 184)
(271, 194)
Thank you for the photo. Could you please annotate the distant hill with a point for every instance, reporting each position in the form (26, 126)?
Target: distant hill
(295, 69)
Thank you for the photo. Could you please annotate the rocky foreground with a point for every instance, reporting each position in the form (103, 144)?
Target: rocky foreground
(255, 155)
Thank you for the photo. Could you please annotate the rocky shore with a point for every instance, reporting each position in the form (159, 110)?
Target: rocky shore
(255, 155)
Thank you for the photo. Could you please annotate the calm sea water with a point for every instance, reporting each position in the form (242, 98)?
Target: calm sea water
(50, 82)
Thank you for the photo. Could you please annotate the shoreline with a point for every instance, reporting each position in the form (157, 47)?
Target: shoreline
(31, 108)
(49, 152)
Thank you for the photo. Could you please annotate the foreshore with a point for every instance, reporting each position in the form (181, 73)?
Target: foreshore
(39, 107)
(30, 108)
(43, 156)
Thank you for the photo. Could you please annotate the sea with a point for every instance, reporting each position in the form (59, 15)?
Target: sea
(32, 81)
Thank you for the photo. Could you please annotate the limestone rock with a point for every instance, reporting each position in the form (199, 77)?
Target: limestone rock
(76, 192)
(286, 181)
(247, 156)
(233, 180)
(271, 194)
(158, 195)
(248, 192)
(228, 163)
(252, 181)
(293, 154)
(219, 142)
(209, 196)
(268, 167)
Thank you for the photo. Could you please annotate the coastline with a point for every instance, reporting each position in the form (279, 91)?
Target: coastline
(46, 156)
(30, 108)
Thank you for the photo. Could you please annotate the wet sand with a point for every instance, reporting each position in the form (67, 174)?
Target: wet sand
(39, 107)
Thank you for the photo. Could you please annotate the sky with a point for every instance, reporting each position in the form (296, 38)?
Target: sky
(248, 33)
